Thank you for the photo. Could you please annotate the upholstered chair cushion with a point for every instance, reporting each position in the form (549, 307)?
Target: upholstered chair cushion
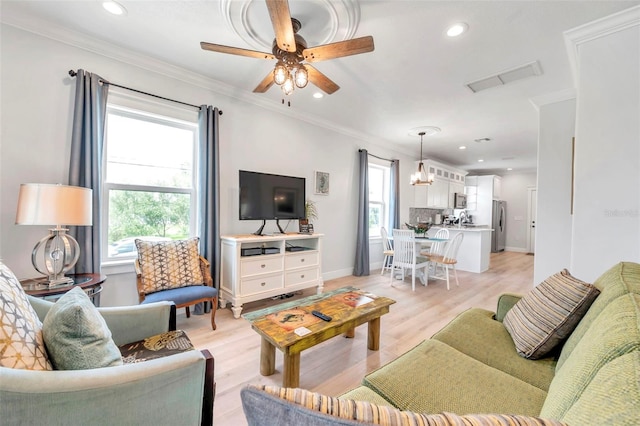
(268, 405)
(181, 296)
(21, 343)
(169, 264)
(543, 318)
(76, 335)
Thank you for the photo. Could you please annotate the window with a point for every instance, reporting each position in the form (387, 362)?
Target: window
(378, 198)
(149, 179)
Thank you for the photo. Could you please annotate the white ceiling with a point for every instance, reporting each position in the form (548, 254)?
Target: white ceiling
(415, 77)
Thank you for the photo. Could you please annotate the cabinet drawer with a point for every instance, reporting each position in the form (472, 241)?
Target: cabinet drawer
(300, 276)
(301, 260)
(262, 265)
(258, 285)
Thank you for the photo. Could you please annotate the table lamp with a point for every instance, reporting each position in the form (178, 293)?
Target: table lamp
(56, 205)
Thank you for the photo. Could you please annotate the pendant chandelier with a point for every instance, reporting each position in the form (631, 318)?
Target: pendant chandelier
(421, 177)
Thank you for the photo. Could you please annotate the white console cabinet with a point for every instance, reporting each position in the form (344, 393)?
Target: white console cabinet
(290, 262)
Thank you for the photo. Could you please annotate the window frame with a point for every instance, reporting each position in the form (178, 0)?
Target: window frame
(151, 113)
(386, 194)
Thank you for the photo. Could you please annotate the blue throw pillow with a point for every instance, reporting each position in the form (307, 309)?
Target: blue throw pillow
(76, 336)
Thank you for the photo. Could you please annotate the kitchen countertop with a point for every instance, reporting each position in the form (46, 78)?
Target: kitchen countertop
(475, 228)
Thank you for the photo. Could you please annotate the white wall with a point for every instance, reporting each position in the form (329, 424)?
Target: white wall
(37, 106)
(554, 219)
(606, 223)
(515, 193)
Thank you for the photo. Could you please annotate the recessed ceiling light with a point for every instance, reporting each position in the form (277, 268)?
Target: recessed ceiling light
(318, 95)
(114, 7)
(480, 160)
(456, 29)
(462, 147)
(509, 168)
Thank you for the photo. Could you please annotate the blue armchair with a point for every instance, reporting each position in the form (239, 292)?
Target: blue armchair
(177, 389)
(174, 271)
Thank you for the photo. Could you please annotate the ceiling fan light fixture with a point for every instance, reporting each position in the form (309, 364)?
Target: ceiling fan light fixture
(288, 86)
(280, 73)
(301, 76)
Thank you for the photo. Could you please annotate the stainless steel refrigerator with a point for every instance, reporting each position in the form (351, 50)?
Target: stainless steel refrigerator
(499, 226)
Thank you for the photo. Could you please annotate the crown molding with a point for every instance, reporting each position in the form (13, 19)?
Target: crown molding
(552, 98)
(573, 38)
(122, 54)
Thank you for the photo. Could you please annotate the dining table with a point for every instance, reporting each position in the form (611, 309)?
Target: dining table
(420, 243)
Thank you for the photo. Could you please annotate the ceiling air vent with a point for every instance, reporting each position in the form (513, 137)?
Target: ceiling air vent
(527, 70)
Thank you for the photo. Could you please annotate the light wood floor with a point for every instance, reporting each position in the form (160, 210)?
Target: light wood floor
(339, 364)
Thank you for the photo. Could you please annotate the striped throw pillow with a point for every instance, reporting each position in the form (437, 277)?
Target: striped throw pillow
(303, 406)
(548, 314)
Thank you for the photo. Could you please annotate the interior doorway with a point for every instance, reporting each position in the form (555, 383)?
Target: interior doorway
(532, 202)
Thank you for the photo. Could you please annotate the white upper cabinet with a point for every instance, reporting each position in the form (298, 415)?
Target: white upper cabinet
(447, 181)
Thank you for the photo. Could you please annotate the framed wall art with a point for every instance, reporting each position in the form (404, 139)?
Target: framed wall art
(322, 183)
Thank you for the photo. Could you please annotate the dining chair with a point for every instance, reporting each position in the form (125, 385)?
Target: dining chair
(448, 259)
(436, 248)
(387, 251)
(406, 256)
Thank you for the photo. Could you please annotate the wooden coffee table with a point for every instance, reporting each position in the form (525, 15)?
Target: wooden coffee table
(348, 307)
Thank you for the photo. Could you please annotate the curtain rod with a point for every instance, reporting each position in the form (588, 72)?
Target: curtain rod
(379, 158)
(73, 73)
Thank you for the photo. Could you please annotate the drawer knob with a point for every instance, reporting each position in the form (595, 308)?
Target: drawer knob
(263, 265)
(263, 284)
(301, 276)
(302, 260)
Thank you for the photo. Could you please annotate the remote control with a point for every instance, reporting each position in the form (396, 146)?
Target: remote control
(321, 315)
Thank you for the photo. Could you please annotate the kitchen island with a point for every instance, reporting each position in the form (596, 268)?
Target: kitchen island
(475, 250)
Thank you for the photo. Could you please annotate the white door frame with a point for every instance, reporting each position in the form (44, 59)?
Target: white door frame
(531, 192)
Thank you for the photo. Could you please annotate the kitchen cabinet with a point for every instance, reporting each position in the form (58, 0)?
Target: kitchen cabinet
(481, 191)
(438, 194)
(454, 187)
(446, 182)
(497, 188)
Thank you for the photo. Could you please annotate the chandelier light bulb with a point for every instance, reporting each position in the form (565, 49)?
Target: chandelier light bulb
(288, 86)
(280, 73)
(301, 76)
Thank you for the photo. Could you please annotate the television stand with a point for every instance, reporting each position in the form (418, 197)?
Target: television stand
(245, 279)
(259, 231)
(264, 222)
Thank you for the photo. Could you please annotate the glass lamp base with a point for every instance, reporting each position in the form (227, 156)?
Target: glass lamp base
(59, 281)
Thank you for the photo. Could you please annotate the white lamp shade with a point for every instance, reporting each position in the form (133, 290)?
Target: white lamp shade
(49, 204)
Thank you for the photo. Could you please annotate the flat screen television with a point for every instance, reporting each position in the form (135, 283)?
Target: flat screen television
(265, 196)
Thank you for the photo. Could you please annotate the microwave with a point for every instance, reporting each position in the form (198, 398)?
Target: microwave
(460, 201)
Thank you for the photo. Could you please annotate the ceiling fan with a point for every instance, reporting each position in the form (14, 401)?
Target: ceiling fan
(291, 51)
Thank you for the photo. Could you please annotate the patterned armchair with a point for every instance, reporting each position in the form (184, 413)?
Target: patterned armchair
(174, 271)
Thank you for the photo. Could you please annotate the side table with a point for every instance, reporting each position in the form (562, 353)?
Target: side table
(90, 283)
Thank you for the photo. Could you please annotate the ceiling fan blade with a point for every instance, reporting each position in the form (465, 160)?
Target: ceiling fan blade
(235, 51)
(281, 20)
(265, 84)
(339, 49)
(322, 81)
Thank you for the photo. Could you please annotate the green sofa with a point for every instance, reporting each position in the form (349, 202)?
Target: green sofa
(471, 366)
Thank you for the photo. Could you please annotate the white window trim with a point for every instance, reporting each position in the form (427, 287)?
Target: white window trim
(153, 111)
